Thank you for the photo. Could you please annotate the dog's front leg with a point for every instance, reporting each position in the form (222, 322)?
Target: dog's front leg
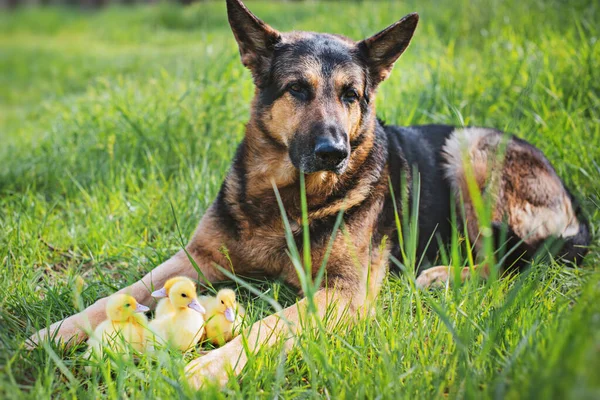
(231, 358)
(203, 249)
(74, 329)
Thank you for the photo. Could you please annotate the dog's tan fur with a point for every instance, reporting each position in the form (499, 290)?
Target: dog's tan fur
(245, 218)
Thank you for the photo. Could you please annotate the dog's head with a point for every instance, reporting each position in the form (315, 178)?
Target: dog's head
(314, 91)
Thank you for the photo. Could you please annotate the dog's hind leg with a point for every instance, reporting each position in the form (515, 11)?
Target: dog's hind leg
(530, 204)
(438, 276)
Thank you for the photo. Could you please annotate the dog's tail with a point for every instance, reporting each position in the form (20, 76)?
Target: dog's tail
(516, 254)
(572, 249)
(575, 247)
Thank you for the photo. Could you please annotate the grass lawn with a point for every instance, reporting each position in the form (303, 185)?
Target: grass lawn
(117, 128)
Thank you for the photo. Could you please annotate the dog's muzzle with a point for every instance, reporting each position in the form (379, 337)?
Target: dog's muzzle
(326, 148)
(331, 153)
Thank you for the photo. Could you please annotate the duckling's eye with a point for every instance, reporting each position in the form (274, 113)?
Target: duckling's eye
(222, 302)
(183, 295)
(127, 305)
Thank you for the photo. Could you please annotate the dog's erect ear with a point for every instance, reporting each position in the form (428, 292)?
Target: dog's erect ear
(383, 49)
(256, 39)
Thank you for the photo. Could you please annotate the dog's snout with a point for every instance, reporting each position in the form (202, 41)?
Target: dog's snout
(331, 151)
(331, 147)
(324, 148)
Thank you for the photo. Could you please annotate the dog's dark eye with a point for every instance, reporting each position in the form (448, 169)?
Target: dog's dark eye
(299, 91)
(350, 95)
(183, 295)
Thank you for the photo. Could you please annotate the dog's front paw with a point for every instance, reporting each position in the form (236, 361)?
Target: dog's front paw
(216, 366)
(67, 331)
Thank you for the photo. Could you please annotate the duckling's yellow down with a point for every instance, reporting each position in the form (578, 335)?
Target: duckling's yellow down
(224, 316)
(125, 327)
(184, 326)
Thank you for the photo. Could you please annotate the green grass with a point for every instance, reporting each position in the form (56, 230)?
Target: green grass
(118, 126)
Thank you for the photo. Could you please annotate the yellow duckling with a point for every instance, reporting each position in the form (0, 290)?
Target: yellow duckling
(165, 306)
(126, 326)
(224, 316)
(184, 327)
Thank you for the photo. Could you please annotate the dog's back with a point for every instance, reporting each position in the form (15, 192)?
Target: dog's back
(415, 160)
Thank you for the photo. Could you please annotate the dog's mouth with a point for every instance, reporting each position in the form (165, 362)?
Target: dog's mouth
(339, 168)
(312, 164)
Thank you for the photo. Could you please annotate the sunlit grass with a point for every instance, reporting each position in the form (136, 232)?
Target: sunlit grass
(118, 127)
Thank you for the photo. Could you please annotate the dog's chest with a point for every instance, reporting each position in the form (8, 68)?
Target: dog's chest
(267, 248)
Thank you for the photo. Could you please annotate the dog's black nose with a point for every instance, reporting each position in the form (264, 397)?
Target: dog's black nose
(331, 151)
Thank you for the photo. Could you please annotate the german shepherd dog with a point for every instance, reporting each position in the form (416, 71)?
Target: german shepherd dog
(313, 113)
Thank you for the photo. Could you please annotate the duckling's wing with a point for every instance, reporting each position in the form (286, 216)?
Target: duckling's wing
(185, 329)
(157, 331)
(100, 329)
(97, 339)
(135, 335)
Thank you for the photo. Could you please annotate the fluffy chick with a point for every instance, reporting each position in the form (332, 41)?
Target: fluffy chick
(165, 306)
(184, 326)
(224, 316)
(126, 326)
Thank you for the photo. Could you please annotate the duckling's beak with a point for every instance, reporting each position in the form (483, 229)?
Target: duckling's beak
(141, 308)
(229, 314)
(194, 305)
(160, 293)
